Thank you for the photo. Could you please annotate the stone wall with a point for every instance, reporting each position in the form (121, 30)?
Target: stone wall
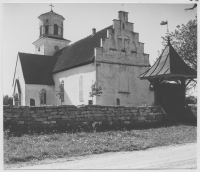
(66, 116)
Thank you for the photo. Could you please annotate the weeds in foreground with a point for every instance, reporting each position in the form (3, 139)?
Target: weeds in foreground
(40, 147)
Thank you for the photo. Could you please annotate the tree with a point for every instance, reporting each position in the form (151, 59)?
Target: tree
(184, 40)
(60, 92)
(42, 96)
(16, 99)
(7, 100)
(95, 90)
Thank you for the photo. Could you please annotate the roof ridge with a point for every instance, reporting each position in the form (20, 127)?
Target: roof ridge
(36, 54)
(90, 35)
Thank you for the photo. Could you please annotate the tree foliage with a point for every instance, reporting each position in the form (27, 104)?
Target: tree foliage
(41, 95)
(95, 90)
(7, 100)
(60, 92)
(184, 40)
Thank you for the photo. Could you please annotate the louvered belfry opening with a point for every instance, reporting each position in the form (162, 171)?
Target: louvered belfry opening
(168, 76)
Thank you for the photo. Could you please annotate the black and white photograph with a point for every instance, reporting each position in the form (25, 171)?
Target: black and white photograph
(99, 85)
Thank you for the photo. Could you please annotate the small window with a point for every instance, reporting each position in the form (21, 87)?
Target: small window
(123, 26)
(32, 102)
(46, 29)
(55, 29)
(118, 101)
(90, 102)
(40, 30)
(62, 32)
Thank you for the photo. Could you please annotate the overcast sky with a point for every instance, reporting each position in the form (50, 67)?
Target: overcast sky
(21, 26)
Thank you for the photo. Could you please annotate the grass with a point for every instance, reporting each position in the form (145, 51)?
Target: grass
(52, 146)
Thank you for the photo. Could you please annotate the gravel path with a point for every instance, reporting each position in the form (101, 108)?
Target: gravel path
(169, 157)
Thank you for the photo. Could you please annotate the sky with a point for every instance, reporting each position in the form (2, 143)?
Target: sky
(20, 26)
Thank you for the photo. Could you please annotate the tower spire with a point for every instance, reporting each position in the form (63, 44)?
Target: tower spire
(51, 7)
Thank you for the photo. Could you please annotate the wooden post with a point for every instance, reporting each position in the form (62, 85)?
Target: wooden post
(183, 95)
(157, 91)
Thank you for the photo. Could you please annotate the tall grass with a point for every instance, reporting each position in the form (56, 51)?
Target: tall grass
(40, 147)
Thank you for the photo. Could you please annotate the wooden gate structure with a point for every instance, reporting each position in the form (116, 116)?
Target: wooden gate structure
(170, 67)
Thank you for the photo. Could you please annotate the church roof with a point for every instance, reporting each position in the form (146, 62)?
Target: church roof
(80, 52)
(37, 69)
(51, 12)
(169, 65)
(59, 38)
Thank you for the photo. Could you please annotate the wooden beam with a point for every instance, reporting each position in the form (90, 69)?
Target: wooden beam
(157, 91)
(183, 96)
(188, 82)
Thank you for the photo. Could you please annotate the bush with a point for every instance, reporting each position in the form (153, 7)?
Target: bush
(191, 100)
(7, 100)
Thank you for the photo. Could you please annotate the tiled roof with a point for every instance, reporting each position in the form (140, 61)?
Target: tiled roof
(170, 65)
(37, 69)
(80, 52)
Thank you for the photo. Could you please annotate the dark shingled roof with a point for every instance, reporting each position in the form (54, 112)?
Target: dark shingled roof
(169, 65)
(80, 52)
(37, 69)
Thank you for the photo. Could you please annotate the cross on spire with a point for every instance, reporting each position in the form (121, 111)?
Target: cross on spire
(51, 7)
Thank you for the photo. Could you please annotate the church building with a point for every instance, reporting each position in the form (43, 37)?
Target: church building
(113, 58)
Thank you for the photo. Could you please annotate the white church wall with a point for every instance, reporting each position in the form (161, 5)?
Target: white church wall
(32, 92)
(50, 44)
(74, 93)
(39, 49)
(47, 46)
(20, 77)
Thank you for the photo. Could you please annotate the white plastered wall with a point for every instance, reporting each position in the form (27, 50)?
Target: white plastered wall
(71, 84)
(32, 92)
(20, 77)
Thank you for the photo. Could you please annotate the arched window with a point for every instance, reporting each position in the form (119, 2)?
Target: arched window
(42, 94)
(46, 29)
(62, 91)
(17, 94)
(81, 89)
(40, 30)
(62, 32)
(118, 101)
(32, 102)
(55, 29)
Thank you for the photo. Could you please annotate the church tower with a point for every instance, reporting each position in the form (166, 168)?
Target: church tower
(51, 34)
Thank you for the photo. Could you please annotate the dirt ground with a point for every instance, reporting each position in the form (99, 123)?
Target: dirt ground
(168, 157)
